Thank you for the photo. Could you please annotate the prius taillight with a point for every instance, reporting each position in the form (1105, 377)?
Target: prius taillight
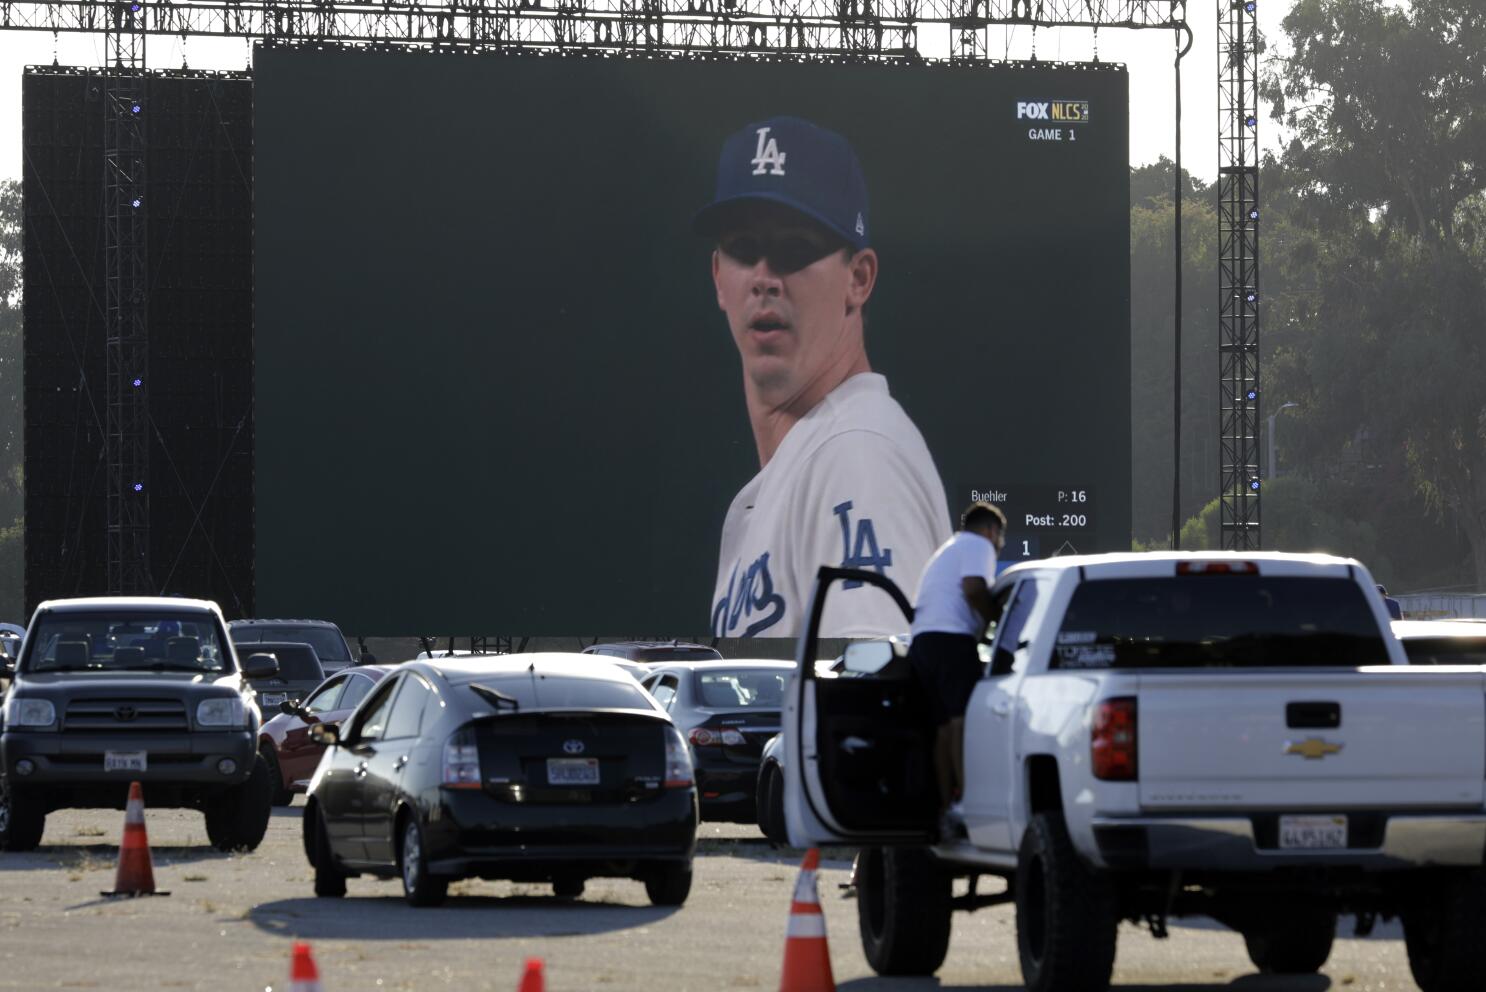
(1112, 742)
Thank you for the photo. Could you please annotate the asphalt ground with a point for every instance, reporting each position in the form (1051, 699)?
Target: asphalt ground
(229, 922)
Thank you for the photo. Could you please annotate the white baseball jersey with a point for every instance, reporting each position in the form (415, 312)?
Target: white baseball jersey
(851, 485)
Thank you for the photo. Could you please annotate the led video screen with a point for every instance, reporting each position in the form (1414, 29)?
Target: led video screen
(513, 378)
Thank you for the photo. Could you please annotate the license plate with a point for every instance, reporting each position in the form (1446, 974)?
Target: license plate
(572, 771)
(124, 761)
(1312, 832)
(271, 700)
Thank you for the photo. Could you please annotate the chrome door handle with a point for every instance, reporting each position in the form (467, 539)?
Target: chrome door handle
(397, 765)
(1001, 707)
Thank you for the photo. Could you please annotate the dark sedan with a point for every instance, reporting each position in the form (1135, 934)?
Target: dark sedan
(536, 768)
(727, 711)
(285, 742)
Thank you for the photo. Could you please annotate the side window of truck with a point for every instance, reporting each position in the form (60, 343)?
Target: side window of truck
(1011, 628)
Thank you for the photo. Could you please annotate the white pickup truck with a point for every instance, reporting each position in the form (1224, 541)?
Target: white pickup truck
(1160, 735)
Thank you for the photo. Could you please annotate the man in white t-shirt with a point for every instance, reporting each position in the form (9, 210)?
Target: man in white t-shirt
(845, 477)
(950, 617)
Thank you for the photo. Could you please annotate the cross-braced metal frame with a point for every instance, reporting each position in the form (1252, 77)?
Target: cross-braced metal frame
(789, 29)
(1238, 272)
(127, 444)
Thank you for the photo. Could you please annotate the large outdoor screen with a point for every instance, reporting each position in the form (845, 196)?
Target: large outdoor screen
(506, 385)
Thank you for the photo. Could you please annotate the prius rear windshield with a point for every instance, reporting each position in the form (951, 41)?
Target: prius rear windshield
(1219, 621)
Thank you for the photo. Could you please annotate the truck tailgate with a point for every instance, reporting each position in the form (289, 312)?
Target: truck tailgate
(1406, 737)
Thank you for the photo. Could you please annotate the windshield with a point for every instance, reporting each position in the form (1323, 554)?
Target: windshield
(564, 693)
(1219, 621)
(328, 643)
(741, 688)
(297, 662)
(134, 641)
(1445, 650)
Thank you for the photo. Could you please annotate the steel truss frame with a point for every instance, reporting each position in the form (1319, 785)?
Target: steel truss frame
(127, 440)
(1239, 396)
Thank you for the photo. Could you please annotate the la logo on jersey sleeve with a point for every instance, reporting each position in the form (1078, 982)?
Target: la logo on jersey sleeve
(859, 548)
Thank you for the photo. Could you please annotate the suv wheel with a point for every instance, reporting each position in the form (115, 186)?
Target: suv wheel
(669, 885)
(568, 887)
(420, 888)
(1442, 935)
(22, 820)
(1066, 915)
(1292, 942)
(238, 818)
(282, 795)
(330, 880)
(903, 910)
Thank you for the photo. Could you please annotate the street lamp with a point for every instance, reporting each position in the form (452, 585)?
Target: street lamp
(1273, 469)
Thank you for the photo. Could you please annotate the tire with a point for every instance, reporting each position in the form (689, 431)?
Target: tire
(669, 885)
(238, 819)
(22, 820)
(330, 881)
(771, 805)
(903, 909)
(282, 794)
(1442, 935)
(418, 886)
(568, 888)
(1066, 915)
(1292, 942)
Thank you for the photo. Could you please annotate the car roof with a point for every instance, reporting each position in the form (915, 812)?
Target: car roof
(283, 644)
(1136, 563)
(93, 604)
(759, 664)
(1406, 630)
(548, 664)
(652, 645)
(302, 623)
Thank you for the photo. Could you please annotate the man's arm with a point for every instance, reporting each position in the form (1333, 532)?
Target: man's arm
(978, 595)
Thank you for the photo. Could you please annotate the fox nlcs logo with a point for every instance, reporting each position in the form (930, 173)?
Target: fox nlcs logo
(1061, 111)
(767, 157)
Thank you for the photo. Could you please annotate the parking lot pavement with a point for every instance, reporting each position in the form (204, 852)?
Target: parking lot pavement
(229, 922)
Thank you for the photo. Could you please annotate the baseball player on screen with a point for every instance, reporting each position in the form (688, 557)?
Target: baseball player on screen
(845, 477)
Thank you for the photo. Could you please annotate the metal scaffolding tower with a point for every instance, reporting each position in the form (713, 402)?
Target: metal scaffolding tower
(127, 445)
(1238, 272)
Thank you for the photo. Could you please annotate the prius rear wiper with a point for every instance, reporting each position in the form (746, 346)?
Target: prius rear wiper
(495, 697)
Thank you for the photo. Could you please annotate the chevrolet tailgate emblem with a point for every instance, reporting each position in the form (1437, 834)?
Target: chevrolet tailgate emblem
(1312, 749)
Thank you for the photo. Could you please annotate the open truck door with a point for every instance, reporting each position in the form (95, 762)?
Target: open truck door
(859, 765)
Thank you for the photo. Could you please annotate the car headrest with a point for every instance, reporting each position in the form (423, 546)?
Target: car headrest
(123, 657)
(73, 653)
(183, 648)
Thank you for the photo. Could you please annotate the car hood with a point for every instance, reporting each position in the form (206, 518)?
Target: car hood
(111, 682)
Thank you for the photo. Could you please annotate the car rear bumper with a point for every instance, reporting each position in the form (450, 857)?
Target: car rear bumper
(727, 789)
(73, 763)
(1377, 841)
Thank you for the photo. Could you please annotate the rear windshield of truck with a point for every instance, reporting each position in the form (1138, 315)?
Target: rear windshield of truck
(297, 662)
(78, 642)
(1219, 621)
(328, 643)
(1445, 650)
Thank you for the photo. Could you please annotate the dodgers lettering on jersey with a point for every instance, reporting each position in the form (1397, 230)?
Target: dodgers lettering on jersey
(851, 485)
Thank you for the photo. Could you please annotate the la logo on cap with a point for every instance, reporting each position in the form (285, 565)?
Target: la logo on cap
(767, 157)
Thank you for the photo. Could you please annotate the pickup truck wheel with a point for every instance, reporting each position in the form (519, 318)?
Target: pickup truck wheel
(903, 910)
(1442, 935)
(1066, 915)
(282, 796)
(1294, 942)
(330, 881)
(238, 819)
(22, 821)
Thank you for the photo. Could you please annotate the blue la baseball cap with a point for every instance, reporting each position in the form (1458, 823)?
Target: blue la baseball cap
(798, 165)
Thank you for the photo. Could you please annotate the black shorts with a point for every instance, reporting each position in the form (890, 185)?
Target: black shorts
(948, 666)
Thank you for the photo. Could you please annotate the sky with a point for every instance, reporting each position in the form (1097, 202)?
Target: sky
(1149, 54)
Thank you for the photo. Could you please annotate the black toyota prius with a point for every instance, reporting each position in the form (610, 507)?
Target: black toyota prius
(535, 768)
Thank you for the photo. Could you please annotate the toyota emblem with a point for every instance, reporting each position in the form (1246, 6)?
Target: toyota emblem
(126, 713)
(574, 746)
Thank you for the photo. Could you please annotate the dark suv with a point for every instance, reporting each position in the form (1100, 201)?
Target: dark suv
(325, 637)
(112, 690)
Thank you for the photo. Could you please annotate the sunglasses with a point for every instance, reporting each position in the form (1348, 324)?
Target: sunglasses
(787, 253)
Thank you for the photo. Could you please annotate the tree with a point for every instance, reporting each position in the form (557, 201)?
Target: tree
(1380, 331)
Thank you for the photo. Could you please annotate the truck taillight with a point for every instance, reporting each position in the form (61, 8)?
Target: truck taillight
(1217, 568)
(1112, 743)
(678, 761)
(461, 761)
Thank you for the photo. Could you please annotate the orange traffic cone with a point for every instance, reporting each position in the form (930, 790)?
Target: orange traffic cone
(303, 975)
(531, 978)
(136, 874)
(807, 958)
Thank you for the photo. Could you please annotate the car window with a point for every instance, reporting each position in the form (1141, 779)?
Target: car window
(356, 690)
(664, 690)
(1011, 629)
(371, 724)
(297, 662)
(125, 641)
(407, 709)
(740, 688)
(328, 643)
(325, 697)
(562, 692)
(1219, 621)
(1445, 650)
